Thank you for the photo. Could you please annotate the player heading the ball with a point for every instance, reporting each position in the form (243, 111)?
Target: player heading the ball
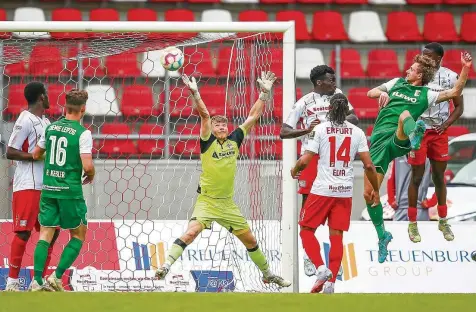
(68, 146)
(219, 151)
(402, 101)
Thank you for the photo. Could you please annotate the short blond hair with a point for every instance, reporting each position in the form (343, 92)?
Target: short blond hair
(427, 68)
(75, 98)
(219, 118)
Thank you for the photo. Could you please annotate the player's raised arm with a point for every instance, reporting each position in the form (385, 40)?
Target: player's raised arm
(457, 90)
(206, 125)
(380, 92)
(266, 84)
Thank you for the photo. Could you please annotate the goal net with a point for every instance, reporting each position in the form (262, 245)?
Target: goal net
(146, 152)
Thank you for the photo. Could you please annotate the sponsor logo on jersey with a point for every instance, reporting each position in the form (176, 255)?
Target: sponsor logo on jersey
(404, 96)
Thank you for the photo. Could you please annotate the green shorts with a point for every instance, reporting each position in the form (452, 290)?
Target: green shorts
(385, 147)
(66, 213)
(223, 211)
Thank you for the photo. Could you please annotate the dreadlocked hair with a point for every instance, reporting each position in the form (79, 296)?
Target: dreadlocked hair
(338, 109)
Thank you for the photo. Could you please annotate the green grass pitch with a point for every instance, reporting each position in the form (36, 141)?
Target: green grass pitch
(233, 302)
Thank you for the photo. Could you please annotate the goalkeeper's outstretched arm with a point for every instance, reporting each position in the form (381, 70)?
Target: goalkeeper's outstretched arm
(266, 84)
(206, 125)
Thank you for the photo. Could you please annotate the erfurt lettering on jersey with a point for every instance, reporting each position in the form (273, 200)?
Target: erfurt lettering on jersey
(63, 129)
(404, 96)
(338, 172)
(339, 130)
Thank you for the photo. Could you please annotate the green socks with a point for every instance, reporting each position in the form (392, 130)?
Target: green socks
(408, 126)
(376, 215)
(69, 255)
(39, 258)
(258, 257)
(175, 251)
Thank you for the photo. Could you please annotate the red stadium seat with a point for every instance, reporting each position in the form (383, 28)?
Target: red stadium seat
(270, 149)
(409, 55)
(214, 98)
(180, 15)
(180, 102)
(151, 146)
(46, 61)
(383, 63)
(224, 56)
(364, 107)
(138, 101)
(278, 101)
(460, 2)
(302, 31)
(103, 15)
(16, 100)
(3, 17)
(468, 25)
(452, 60)
(198, 62)
(187, 129)
(424, 1)
(253, 16)
(455, 131)
(115, 128)
(57, 97)
(67, 14)
(15, 69)
(328, 26)
(185, 148)
(440, 26)
(351, 1)
(403, 27)
(277, 1)
(276, 60)
(122, 65)
(141, 14)
(351, 67)
(314, 1)
(92, 67)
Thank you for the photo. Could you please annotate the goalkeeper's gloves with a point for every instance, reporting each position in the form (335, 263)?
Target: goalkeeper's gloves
(266, 84)
(192, 86)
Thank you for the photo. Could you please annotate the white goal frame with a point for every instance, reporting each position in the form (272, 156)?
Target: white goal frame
(289, 225)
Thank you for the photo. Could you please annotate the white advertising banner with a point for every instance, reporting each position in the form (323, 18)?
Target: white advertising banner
(432, 266)
(216, 262)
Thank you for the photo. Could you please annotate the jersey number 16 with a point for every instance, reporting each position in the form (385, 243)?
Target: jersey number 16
(58, 150)
(343, 153)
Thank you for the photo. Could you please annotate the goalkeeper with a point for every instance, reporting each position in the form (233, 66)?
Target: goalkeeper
(219, 151)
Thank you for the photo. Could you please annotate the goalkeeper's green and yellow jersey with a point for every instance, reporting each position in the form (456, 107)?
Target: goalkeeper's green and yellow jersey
(219, 164)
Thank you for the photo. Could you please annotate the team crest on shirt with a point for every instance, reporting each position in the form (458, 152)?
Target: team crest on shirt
(417, 92)
(412, 154)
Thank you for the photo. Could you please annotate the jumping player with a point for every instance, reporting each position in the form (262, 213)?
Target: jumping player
(337, 142)
(434, 146)
(219, 152)
(69, 152)
(28, 178)
(395, 132)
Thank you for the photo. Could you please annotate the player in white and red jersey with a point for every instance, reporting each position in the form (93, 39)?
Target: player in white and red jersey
(434, 146)
(28, 178)
(337, 142)
(312, 109)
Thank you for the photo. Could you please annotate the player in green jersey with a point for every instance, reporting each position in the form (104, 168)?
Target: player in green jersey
(395, 131)
(219, 151)
(68, 147)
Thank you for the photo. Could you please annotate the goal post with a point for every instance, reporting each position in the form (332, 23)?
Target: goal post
(289, 198)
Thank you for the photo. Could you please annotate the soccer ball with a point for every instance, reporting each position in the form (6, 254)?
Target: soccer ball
(172, 58)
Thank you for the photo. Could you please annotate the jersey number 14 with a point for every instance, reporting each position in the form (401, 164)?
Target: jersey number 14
(343, 153)
(58, 150)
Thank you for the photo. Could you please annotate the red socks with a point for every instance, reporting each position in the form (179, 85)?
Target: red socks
(17, 249)
(335, 255)
(311, 247)
(412, 214)
(442, 211)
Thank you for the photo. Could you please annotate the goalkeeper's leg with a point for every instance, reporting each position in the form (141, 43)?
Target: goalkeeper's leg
(258, 257)
(194, 228)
